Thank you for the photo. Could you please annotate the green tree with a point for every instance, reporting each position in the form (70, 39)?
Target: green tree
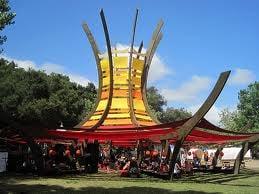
(6, 18)
(246, 117)
(157, 104)
(174, 114)
(155, 100)
(35, 98)
(228, 119)
(249, 107)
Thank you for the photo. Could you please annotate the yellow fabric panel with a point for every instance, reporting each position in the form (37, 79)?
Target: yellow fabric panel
(95, 117)
(121, 73)
(138, 105)
(120, 103)
(120, 62)
(121, 87)
(143, 117)
(120, 93)
(104, 64)
(102, 105)
(119, 115)
(138, 64)
(120, 79)
(117, 121)
(106, 81)
(119, 110)
(136, 80)
(141, 112)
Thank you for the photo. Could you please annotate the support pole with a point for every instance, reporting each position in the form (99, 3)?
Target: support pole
(188, 126)
(216, 156)
(240, 157)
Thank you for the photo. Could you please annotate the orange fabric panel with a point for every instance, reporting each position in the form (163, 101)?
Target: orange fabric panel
(90, 123)
(137, 94)
(105, 95)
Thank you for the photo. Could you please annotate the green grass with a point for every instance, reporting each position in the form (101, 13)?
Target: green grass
(246, 182)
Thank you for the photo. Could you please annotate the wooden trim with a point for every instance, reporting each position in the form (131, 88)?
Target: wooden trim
(188, 126)
(156, 37)
(108, 43)
(96, 52)
(130, 98)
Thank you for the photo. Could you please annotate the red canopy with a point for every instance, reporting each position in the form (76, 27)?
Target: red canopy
(204, 133)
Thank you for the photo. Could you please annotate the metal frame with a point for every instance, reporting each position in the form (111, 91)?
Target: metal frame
(188, 126)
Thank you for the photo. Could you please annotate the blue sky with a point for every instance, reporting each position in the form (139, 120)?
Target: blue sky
(201, 39)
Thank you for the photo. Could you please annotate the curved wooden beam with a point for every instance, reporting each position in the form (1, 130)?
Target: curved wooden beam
(188, 126)
(130, 98)
(97, 59)
(108, 43)
(140, 48)
(156, 38)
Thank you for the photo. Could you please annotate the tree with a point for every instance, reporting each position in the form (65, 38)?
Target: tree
(155, 100)
(228, 119)
(246, 117)
(6, 18)
(157, 103)
(249, 107)
(35, 98)
(174, 114)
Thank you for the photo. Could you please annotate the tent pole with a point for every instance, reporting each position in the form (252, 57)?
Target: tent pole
(240, 157)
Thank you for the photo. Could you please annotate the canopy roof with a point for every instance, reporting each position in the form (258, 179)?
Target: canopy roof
(204, 133)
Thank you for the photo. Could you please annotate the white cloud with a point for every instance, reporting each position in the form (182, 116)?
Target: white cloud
(212, 115)
(241, 77)
(188, 91)
(49, 68)
(25, 64)
(158, 69)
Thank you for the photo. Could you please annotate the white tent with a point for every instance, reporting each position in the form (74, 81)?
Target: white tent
(3, 161)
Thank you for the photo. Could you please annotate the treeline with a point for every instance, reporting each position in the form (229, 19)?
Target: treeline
(37, 99)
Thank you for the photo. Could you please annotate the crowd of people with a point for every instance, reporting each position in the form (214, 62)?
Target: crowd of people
(128, 162)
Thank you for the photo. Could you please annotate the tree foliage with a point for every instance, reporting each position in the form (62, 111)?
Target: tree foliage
(6, 18)
(246, 117)
(174, 114)
(157, 103)
(35, 98)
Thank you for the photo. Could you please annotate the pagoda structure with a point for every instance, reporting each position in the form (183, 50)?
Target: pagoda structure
(123, 76)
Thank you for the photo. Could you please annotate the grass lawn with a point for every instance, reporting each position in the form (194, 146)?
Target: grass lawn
(246, 182)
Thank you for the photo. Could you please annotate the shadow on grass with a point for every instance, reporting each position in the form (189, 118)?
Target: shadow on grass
(24, 189)
(222, 178)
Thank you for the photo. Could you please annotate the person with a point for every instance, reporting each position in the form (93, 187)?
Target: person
(177, 170)
(133, 168)
(188, 168)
